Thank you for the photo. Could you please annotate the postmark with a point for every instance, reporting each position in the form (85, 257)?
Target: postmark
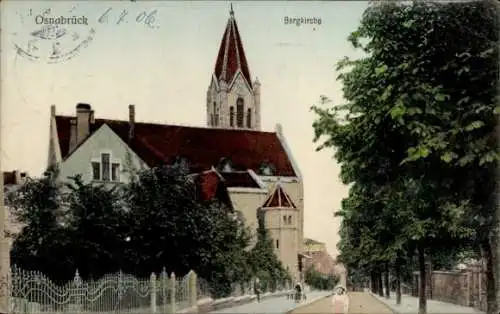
(50, 36)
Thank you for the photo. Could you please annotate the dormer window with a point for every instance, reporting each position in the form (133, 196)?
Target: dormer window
(225, 165)
(266, 169)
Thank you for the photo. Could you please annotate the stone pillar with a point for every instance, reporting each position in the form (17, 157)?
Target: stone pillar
(153, 293)
(173, 287)
(5, 280)
(193, 291)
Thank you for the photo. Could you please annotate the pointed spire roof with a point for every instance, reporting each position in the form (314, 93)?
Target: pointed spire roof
(279, 198)
(231, 57)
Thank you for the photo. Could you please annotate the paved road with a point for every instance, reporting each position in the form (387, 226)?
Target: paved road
(409, 305)
(359, 303)
(277, 305)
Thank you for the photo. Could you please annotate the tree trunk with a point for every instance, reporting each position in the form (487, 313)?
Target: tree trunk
(422, 298)
(380, 284)
(398, 282)
(386, 281)
(491, 301)
(373, 282)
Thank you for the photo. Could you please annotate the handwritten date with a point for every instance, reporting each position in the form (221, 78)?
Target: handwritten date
(146, 18)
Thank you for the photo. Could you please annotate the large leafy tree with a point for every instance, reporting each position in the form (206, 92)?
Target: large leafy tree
(172, 227)
(95, 223)
(415, 103)
(43, 241)
(262, 258)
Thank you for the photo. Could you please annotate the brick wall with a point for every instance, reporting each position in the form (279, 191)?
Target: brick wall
(463, 287)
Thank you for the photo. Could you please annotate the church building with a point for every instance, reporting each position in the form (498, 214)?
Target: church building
(256, 166)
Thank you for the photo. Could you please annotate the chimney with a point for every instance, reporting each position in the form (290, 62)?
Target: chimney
(72, 134)
(91, 119)
(131, 121)
(82, 122)
(52, 111)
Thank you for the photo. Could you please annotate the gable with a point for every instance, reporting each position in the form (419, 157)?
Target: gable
(201, 147)
(239, 85)
(102, 140)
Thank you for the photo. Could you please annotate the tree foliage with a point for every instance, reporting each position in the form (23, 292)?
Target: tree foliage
(416, 137)
(263, 261)
(320, 281)
(156, 221)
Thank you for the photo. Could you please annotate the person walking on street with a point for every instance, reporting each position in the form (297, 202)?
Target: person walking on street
(256, 288)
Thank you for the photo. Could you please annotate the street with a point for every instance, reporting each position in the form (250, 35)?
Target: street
(360, 303)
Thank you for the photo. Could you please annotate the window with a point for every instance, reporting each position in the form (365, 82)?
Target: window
(105, 166)
(277, 244)
(96, 170)
(215, 115)
(285, 220)
(249, 118)
(239, 112)
(231, 116)
(104, 169)
(115, 171)
(290, 220)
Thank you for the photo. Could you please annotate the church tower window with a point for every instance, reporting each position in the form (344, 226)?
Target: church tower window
(231, 116)
(240, 106)
(215, 114)
(249, 118)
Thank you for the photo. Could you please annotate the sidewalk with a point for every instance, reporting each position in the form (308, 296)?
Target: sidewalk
(277, 305)
(409, 305)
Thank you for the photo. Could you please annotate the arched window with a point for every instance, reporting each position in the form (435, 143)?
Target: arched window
(240, 106)
(215, 115)
(249, 118)
(231, 116)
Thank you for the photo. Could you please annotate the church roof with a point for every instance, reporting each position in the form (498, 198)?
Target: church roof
(202, 148)
(240, 179)
(211, 185)
(231, 57)
(279, 198)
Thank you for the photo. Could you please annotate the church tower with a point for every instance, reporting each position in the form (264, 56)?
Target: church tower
(233, 101)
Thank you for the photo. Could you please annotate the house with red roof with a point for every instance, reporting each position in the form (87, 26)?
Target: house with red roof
(255, 167)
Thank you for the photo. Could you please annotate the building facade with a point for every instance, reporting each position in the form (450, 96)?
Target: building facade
(257, 167)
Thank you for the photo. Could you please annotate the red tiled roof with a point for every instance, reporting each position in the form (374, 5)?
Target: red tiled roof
(201, 147)
(211, 186)
(239, 179)
(231, 57)
(279, 198)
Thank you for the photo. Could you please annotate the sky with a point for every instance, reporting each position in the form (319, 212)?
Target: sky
(160, 56)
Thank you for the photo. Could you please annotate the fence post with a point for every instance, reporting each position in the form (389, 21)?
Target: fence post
(172, 292)
(164, 289)
(153, 292)
(193, 291)
(77, 293)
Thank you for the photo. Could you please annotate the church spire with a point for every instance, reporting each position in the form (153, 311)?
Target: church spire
(233, 100)
(231, 57)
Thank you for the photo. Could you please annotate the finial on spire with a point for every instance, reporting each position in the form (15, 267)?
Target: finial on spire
(231, 12)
